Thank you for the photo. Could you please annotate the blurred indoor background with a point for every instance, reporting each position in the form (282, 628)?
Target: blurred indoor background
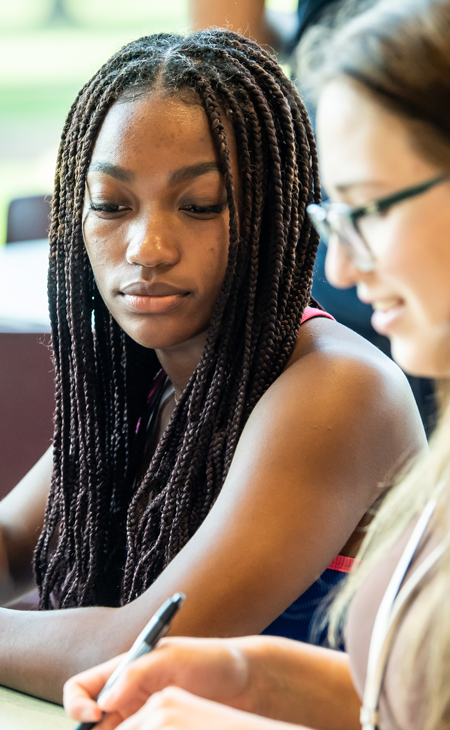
(48, 49)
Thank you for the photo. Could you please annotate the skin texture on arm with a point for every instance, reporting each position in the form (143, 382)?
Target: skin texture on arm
(309, 464)
(272, 677)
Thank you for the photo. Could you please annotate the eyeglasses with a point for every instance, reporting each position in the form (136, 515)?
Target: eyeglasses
(345, 222)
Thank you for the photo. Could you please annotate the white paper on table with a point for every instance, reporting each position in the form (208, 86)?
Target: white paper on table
(21, 712)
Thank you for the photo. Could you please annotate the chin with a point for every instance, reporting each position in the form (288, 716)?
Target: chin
(154, 342)
(420, 358)
(162, 338)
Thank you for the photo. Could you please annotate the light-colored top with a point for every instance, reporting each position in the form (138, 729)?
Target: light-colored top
(401, 707)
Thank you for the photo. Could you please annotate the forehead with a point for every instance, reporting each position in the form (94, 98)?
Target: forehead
(360, 139)
(153, 127)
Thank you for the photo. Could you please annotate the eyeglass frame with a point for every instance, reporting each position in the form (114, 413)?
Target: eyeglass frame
(353, 214)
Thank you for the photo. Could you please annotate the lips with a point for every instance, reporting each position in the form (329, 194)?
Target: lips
(387, 309)
(386, 313)
(157, 298)
(158, 289)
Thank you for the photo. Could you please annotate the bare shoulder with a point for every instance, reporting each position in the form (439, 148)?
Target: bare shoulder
(333, 360)
(327, 341)
(341, 396)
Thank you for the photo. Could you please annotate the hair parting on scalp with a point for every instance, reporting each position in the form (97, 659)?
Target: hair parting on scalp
(108, 535)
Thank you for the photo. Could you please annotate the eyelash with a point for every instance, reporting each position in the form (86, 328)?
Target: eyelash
(195, 209)
(105, 207)
(205, 209)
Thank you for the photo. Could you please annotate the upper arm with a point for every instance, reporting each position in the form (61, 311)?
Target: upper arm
(308, 465)
(21, 519)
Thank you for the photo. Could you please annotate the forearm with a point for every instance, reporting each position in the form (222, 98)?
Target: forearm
(40, 650)
(299, 683)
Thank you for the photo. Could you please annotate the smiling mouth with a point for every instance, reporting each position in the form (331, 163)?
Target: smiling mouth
(386, 313)
(385, 305)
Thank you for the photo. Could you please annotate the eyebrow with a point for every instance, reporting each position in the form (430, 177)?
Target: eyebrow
(120, 173)
(182, 175)
(191, 171)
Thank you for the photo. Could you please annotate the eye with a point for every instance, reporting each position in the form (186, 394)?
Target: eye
(109, 210)
(204, 211)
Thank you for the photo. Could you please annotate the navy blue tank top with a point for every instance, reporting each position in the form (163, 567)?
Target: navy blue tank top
(302, 621)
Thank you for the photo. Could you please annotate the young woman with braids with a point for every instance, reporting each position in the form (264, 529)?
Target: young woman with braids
(238, 473)
(384, 138)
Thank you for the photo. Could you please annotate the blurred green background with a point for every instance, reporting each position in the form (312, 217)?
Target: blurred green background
(48, 49)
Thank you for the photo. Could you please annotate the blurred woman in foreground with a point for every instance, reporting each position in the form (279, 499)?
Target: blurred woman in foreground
(384, 137)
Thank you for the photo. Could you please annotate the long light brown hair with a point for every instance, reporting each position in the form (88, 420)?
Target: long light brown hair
(399, 53)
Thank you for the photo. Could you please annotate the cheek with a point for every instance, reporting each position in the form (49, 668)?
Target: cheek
(414, 264)
(212, 257)
(101, 245)
(416, 257)
(216, 263)
(400, 251)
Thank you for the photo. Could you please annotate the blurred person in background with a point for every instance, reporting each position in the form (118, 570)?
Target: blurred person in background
(383, 126)
(215, 432)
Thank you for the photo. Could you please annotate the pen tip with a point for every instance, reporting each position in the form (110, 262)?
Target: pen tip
(178, 598)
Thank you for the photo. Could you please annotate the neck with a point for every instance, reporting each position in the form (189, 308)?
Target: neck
(180, 361)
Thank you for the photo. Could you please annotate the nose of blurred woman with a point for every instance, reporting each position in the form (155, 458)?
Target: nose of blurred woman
(340, 270)
(150, 243)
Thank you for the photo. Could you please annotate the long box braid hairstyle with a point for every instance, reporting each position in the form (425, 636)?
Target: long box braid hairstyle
(107, 535)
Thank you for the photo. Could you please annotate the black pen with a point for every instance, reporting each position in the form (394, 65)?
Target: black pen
(156, 628)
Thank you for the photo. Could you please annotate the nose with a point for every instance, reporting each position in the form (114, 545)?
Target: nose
(151, 242)
(341, 272)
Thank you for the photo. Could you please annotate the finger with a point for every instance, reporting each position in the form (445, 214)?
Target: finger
(109, 722)
(131, 690)
(148, 674)
(175, 662)
(80, 691)
(166, 709)
(147, 718)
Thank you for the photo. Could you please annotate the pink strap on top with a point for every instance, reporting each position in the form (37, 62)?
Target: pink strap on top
(156, 385)
(311, 312)
(342, 563)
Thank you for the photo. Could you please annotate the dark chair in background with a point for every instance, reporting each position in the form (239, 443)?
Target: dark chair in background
(27, 403)
(28, 218)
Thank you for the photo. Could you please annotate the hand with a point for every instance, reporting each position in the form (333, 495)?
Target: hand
(215, 669)
(176, 709)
